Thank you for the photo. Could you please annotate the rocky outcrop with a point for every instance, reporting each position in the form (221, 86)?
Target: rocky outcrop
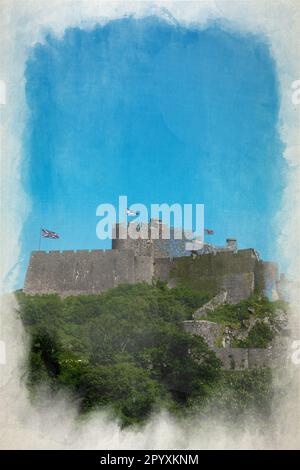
(215, 302)
(221, 338)
(236, 358)
(210, 331)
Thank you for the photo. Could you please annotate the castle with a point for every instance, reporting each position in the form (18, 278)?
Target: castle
(210, 269)
(227, 273)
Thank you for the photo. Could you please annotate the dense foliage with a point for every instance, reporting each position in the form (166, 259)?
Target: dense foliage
(125, 350)
(238, 392)
(256, 306)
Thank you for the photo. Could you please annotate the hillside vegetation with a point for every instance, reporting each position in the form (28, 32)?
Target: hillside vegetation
(125, 351)
(256, 319)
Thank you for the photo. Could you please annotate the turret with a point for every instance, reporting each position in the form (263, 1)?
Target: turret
(231, 244)
(128, 238)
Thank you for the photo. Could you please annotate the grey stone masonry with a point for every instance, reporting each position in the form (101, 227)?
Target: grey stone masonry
(238, 272)
(84, 271)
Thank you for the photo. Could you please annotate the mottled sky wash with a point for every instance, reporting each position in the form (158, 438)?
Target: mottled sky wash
(159, 113)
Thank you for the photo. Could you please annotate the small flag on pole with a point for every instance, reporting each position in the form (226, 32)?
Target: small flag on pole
(208, 231)
(48, 234)
(131, 213)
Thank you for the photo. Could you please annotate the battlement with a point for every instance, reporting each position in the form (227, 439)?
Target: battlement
(67, 252)
(142, 259)
(84, 271)
(238, 272)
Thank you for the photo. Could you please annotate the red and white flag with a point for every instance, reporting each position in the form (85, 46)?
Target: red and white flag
(48, 234)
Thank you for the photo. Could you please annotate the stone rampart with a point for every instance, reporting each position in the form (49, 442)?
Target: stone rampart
(84, 271)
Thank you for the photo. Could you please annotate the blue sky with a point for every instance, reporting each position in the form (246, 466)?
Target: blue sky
(156, 112)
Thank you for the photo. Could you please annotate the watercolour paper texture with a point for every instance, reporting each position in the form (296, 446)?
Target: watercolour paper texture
(150, 224)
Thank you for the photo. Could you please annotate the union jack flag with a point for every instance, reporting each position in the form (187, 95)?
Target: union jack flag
(48, 234)
(208, 231)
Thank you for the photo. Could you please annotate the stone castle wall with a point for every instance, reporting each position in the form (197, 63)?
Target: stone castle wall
(132, 261)
(239, 273)
(84, 271)
(159, 247)
(266, 276)
(235, 358)
(251, 358)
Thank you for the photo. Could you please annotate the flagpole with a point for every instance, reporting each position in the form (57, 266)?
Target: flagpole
(40, 238)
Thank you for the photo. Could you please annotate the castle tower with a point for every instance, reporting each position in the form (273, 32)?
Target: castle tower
(127, 238)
